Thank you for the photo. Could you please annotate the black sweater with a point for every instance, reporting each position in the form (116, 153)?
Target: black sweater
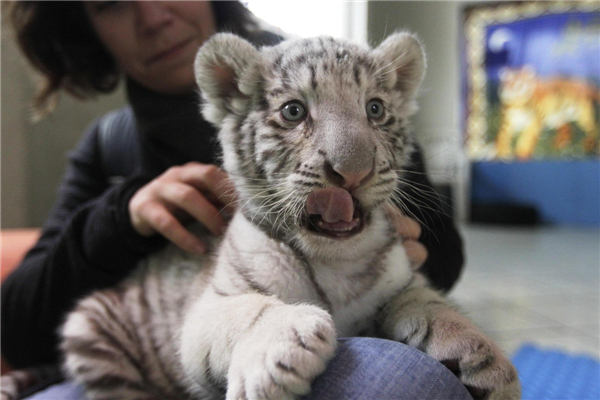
(88, 242)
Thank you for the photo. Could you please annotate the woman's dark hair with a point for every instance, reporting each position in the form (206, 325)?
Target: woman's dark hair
(59, 41)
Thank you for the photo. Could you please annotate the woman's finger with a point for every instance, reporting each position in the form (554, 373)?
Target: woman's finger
(407, 227)
(416, 253)
(188, 199)
(161, 219)
(211, 179)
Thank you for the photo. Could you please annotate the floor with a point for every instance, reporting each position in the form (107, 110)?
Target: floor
(533, 285)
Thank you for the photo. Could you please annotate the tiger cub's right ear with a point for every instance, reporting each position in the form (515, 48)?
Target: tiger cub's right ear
(227, 72)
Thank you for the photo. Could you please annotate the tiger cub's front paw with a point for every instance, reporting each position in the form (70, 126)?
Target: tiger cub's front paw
(287, 348)
(456, 342)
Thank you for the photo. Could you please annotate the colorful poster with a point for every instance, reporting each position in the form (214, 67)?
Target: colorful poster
(532, 80)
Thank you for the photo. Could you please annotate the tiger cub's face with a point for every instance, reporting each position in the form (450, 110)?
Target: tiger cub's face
(313, 130)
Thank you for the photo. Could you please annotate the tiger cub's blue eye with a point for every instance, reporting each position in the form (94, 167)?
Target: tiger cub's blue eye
(375, 109)
(293, 111)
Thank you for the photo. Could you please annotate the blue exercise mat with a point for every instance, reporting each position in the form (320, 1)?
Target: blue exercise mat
(554, 375)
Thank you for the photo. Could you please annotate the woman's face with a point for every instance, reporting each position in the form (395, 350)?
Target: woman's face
(154, 42)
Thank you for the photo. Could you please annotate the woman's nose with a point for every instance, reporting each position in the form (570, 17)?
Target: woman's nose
(152, 15)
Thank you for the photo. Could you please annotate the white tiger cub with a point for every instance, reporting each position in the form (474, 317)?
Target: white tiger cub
(314, 133)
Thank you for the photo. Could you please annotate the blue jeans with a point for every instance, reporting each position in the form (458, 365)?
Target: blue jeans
(363, 369)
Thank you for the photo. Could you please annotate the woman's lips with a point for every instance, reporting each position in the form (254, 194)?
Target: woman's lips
(169, 53)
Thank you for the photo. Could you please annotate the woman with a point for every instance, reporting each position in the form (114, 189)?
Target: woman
(140, 172)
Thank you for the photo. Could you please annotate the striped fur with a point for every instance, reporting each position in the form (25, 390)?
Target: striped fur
(258, 319)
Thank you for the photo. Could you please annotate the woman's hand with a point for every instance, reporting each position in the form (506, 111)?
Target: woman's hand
(182, 193)
(409, 230)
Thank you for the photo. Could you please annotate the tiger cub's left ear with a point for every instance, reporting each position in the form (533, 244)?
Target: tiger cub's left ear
(401, 61)
(227, 72)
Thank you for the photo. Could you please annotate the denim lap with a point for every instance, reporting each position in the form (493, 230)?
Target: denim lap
(363, 369)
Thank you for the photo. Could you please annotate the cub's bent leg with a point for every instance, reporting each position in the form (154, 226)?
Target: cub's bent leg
(103, 354)
(256, 346)
(422, 318)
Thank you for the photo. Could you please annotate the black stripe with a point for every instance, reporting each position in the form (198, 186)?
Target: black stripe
(283, 160)
(310, 184)
(150, 333)
(308, 129)
(390, 121)
(301, 59)
(83, 369)
(238, 144)
(285, 78)
(119, 348)
(287, 369)
(243, 272)
(114, 318)
(87, 348)
(220, 292)
(487, 361)
(272, 136)
(341, 55)
(311, 276)
(210, 376)
(242, 394)
(276, 92)
(273, 123)
(384, 182)
(309, 174)
(146, 321)
(319, 54)
(385, 170)
(263, 103)
(266, 155)
(357, 76)
(252, 144)
(365, 62)
(313, 77)
(109, 382)
(301, 342)
(259, 315)
(322, 44)
(373, 271)
(247, 278)
(260, 171)
(171, 381)
(435, 303)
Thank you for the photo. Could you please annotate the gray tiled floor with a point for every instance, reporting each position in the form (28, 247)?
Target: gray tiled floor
(534, 285)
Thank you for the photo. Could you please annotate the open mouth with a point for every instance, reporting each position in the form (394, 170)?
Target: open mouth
(334, 213)
(337, 230)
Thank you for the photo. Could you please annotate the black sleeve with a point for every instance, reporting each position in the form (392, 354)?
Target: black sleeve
(439, 234)
(87, 243)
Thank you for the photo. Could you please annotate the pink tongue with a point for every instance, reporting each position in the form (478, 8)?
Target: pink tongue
(332, 204)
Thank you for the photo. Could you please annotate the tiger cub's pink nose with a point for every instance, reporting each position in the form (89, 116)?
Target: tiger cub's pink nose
(352, 180)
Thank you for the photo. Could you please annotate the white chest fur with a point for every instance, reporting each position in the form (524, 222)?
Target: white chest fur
(352, 289)
(357, 295)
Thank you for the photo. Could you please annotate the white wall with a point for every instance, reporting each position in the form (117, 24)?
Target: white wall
(12, 144)
(437, 124)
(34, 156)
(338, 18)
